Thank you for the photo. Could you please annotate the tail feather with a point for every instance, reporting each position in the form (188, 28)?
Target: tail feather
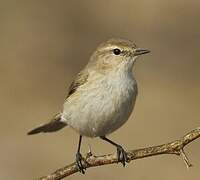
(54, 125)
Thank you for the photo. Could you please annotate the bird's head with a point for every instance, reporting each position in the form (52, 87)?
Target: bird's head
(114, 52)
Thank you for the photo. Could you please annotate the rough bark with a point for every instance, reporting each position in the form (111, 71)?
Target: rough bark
(175, 147)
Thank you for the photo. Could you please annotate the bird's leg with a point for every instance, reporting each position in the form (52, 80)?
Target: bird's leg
(79, 158)
(121, 153)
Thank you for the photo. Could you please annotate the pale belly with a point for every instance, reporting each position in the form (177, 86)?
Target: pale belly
(101, 110)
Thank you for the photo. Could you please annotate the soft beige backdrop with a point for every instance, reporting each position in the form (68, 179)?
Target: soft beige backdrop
(43, 44)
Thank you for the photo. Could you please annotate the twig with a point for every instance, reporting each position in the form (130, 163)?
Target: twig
(185, 158)
(174, 147)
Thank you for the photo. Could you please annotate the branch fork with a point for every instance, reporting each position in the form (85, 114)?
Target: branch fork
(175, 147)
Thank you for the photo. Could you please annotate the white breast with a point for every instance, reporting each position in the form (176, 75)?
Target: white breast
(102, 106)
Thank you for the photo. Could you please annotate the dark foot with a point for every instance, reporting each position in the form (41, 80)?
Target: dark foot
(122, 155)
(79, 164)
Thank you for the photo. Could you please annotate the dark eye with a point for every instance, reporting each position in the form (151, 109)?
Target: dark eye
(116, 51)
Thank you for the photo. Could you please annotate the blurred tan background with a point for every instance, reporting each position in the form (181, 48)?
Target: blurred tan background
(43, 44)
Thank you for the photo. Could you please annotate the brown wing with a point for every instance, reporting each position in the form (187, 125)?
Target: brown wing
(80, 79)
(56, 123)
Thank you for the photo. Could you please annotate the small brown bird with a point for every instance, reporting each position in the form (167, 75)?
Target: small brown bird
(101, 97)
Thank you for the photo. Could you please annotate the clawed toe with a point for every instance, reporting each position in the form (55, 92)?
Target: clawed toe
(122, 155)
(79, 164)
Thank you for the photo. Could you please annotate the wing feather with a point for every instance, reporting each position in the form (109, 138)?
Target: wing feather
(80, 79)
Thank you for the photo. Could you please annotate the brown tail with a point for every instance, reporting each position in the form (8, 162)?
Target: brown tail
(54, 125)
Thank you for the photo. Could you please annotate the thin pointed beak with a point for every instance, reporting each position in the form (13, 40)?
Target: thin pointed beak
(139, 51)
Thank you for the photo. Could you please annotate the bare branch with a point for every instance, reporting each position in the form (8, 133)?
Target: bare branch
(174, 147)
(185, 158)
